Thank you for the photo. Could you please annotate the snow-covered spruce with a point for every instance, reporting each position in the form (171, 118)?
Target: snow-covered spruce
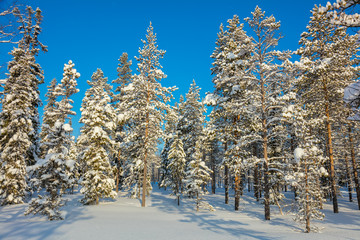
(54, 173)
(19, 115)
(48, 117)
(170, 131)
(51, 174)
(97, 115)
(176, 167)
(197, 178)
(121, 119)
(191, 120)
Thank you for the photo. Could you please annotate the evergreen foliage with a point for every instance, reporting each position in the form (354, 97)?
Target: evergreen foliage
(54, 172)
(19, 115)
(146, 102)
(97, 115)
(197, 178)
(177, 167)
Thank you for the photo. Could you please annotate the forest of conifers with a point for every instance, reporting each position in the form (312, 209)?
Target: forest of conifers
(274, 125)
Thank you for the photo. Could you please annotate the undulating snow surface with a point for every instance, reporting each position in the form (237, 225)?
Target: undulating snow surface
(163, 219)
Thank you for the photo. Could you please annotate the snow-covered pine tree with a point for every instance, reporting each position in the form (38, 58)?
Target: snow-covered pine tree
(342, 13)
(308, 159)
(191, 122)
(231, 60)
(177, 167)
(124, 78)
(266, 97)
(197, 177)
(309, 194)
(146, 101)
(351, 129)
(327, 68)
(97, 115)
(19, 115)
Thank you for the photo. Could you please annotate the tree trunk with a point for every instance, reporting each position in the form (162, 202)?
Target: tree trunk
(354, 165)
(256, 182)
(197, 201)
(213, 174)
(237, 190)
(249, 181)
(331, 155)
(147, 120)
(256, 174)
(265, 149)
(226, 179)
(144, 185)
(348, 175)
(266, 186)
(118, 172)
(307, 202)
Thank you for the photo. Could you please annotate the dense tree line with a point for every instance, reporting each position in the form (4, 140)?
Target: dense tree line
(275, 123)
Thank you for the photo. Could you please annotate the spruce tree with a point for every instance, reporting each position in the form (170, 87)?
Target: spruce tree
(170, 132)
(119, 100)
(191, 122)
(54, 172)
(197, 178)
(97, 115)
(51, 175)
(19, 115)
(176, 167)
(48, 117)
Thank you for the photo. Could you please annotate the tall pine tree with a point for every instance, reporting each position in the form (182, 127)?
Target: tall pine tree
(146, 101)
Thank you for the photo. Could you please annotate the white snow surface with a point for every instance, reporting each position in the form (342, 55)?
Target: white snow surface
(162, 219)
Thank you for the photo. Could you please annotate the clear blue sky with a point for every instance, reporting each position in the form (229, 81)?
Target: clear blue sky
(93, 34)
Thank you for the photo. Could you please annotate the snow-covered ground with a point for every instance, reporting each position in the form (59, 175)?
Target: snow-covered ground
(163, 219)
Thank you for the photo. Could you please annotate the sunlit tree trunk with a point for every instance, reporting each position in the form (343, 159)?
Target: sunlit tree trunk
(330, 151)
(354, 165)
(226, 178)
(144, 185)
